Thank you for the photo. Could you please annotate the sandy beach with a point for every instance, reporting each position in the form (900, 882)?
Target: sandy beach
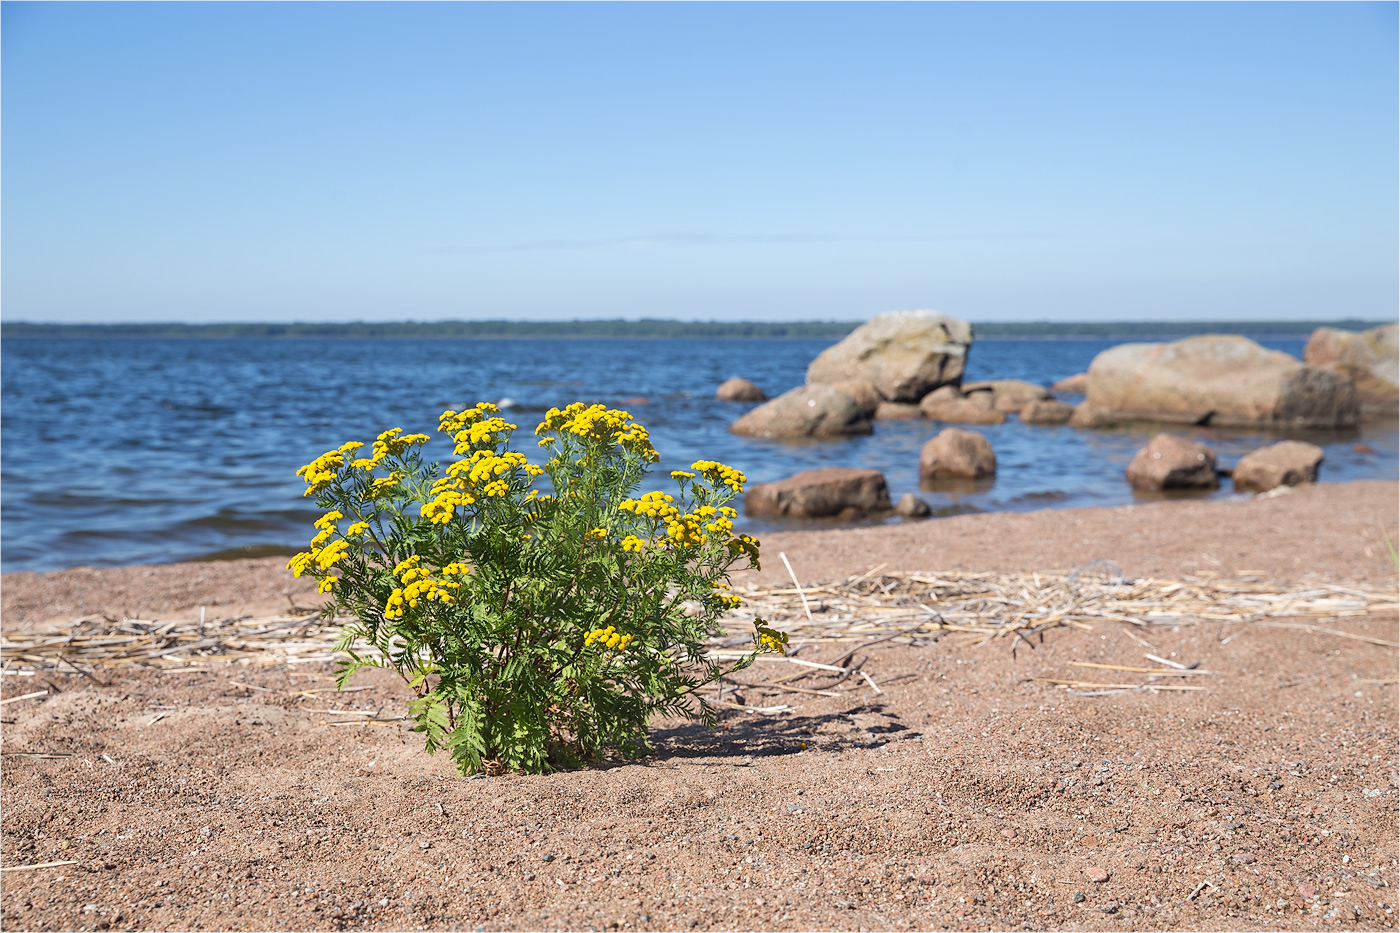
(964, 794)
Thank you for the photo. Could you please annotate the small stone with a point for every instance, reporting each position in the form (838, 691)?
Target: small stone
(1096, 874)
(1306, 890)
(546, 858)
(1079, 897)
(911, 506)
(425, 845)
(529, 876)
(1009, 833)
(1109, 908)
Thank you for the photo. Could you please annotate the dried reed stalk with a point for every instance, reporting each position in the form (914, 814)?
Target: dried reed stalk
(861, 611)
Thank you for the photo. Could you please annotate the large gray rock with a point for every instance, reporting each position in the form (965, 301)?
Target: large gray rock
(1220, 380)
(1008, 395)
(819, 494)
(904, 354)
(1370, 359)
(1287, 463)
(739, 390)
(807, 411)
(956, 453)
(1171, 462)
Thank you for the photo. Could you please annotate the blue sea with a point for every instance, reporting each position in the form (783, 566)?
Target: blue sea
(124, 452)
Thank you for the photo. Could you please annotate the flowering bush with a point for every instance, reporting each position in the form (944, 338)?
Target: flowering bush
(537, 628)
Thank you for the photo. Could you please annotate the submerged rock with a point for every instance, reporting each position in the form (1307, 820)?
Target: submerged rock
(1047, 411)
(1287, 463)
(1008, 395)
(957, 453)
(897, 411)
(739, 390)
(1370, 359)
(849, 493)
(974, 409)
(807, 411)
(1220, 380)
(1172, 462)
(904, 354)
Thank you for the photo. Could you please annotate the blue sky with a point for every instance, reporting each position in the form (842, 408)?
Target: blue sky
(276, 162)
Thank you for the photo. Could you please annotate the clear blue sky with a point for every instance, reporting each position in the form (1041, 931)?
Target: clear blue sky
(274, 162)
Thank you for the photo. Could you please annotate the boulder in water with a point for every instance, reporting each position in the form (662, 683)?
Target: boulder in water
(897, 411)
(1220, 380)
(1171, 462)
(1008, 395)
(904, 354)
(739, 390)
(1046, 411)
(1370, 359)
(1287, 463)
(973, 409)
(957, 453)
(819, 494)
(807, 411)
(864, 392)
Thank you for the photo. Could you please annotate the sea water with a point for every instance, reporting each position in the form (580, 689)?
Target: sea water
(138, 451)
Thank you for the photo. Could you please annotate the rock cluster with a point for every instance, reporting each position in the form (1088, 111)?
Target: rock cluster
(910, 364)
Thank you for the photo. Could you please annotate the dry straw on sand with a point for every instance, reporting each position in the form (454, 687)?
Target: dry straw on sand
(857, 613)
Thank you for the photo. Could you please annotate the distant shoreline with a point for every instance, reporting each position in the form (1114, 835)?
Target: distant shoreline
(657, 329)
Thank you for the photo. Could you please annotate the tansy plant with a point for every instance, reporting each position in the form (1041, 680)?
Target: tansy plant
(537, 628)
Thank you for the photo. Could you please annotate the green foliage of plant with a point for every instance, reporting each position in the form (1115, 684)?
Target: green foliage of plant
(536, 629)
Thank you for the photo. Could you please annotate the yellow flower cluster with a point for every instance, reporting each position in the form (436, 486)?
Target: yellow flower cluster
(652, 505)
(724, 598)
(321, 472)
(597, 533)
(768, 638)
(420, 585)
(392, 442)
(600, 423)
(323, 555)
(743, 544)
(384, 485)
(609, 637)
(723, 518)
(633, 543)
(719, 473)
(684, 531)
(453, 421)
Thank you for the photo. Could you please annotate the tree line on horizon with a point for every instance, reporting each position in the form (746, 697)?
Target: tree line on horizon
(656, 329)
